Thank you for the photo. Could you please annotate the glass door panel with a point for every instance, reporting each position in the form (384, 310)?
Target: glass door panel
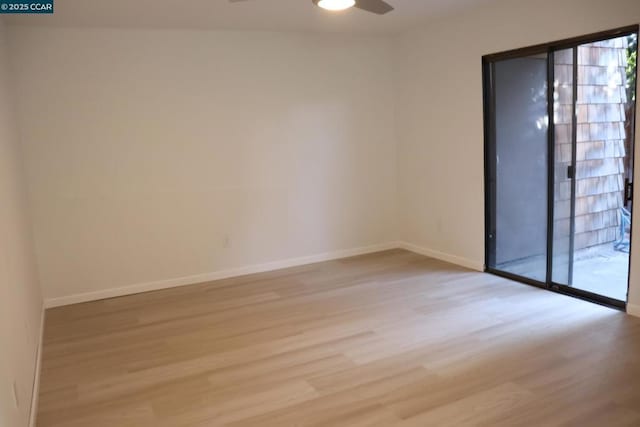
(604, 145)
(520, 157)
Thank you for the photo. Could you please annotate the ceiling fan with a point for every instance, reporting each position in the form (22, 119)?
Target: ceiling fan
(378, 7)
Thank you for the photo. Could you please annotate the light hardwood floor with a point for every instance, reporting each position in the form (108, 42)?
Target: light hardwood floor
(389, 339)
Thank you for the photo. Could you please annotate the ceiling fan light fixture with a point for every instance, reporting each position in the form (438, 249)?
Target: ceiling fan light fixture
(336, 4)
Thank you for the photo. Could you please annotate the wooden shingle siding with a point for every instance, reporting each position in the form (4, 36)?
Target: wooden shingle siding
(600, 157)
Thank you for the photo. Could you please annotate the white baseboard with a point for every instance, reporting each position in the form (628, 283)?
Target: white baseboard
(453, 259)
(257, 268)
(217, 275)
(35, 391)
(633, 310)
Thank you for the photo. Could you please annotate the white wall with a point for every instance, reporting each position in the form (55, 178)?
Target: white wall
(440, 117)
(20, 299)
(146, 150)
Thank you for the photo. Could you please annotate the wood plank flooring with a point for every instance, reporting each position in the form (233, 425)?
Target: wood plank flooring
(388, 339)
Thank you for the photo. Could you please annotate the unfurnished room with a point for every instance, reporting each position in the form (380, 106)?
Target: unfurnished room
(319, 213)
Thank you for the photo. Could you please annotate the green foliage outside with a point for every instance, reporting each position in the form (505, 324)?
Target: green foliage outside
(632, 61)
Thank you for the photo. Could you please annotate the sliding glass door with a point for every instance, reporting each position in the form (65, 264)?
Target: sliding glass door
(559, 132)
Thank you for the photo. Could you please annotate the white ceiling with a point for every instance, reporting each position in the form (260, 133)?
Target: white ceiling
(272, 15)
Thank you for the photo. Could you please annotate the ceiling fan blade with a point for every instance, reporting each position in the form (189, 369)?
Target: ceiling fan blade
(379, 7)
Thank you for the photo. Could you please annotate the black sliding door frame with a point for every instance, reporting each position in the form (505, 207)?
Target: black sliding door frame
(574, 162)
(489, 92)
(551, 161)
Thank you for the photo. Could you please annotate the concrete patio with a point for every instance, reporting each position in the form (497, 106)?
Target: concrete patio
(599, 269)
(602, 270)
